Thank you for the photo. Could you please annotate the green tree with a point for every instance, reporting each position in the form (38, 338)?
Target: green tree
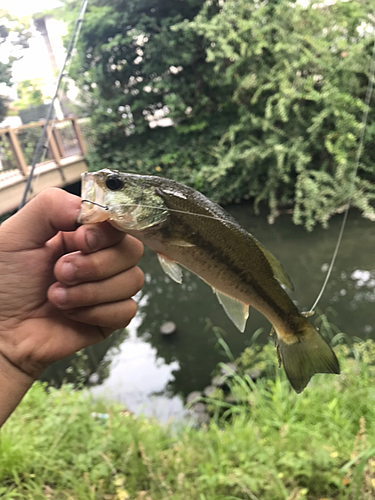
(266, 98)
(29, 93)
(133, 66)
(299, 77)
(5, 74)
(19, 39)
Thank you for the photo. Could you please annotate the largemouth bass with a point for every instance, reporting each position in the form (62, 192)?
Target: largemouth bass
(184, 227)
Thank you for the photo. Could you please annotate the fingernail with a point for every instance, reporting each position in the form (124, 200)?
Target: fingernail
(91, 240)
(69, 271)
(60, 296)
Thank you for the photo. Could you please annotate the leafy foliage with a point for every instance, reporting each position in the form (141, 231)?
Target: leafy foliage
(265, 98)
(18, 40)
(299, 77)
(29, 93)
(4, 74)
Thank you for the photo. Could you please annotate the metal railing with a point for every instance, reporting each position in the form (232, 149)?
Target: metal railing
(66, 138)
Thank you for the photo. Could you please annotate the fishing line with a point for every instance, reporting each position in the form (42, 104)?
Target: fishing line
(369, 90)
(42, 144)
(113, 207)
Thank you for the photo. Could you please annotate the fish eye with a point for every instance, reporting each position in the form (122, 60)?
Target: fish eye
(114, 182)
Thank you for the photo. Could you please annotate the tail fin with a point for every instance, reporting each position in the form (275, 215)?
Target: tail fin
(308, 355)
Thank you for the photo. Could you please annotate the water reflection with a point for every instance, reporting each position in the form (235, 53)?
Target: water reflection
(365, 284)
(149, 364)
(88, 367)
(139, 378)
(189, 306)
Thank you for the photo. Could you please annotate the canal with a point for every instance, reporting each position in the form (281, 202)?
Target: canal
(151, 373)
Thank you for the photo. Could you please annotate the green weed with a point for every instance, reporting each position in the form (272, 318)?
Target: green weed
(274, 445)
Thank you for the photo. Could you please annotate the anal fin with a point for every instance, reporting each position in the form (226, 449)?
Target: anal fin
(236, 310)
(171, 268)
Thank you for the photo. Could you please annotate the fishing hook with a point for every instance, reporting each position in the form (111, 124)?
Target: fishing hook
(94, 203)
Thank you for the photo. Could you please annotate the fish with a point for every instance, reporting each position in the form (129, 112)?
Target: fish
(187, 229)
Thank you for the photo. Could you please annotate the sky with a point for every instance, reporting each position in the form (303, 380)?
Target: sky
(22, 8)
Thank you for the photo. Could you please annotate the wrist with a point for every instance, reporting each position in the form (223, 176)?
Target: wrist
(9, 371)
(18, 355)
(14, 384)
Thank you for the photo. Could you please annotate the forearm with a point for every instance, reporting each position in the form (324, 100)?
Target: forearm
(13, 386)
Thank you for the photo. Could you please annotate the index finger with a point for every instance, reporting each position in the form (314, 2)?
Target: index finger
(49, 212)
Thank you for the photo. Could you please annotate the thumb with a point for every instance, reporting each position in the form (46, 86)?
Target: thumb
(49, 212)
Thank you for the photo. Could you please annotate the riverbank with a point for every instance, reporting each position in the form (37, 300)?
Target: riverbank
(60, 444)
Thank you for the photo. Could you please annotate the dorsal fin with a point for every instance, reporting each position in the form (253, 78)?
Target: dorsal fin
(277, 268)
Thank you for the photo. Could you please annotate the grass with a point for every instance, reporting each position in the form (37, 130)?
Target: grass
(275, 445)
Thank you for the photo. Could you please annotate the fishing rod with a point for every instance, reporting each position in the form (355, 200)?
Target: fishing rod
(72, 43)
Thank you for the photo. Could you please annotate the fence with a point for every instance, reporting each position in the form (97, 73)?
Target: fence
(66, 138)
(61, 165)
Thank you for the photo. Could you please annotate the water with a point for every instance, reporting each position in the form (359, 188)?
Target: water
(153, 374)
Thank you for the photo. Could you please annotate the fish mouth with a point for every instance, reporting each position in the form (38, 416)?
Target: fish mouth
(93, 208)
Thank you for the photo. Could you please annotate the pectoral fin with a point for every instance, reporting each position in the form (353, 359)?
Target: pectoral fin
(181, 243)
(236, 310)
(171, 268)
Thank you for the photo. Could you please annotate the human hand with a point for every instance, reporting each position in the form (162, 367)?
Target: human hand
(44, 258)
